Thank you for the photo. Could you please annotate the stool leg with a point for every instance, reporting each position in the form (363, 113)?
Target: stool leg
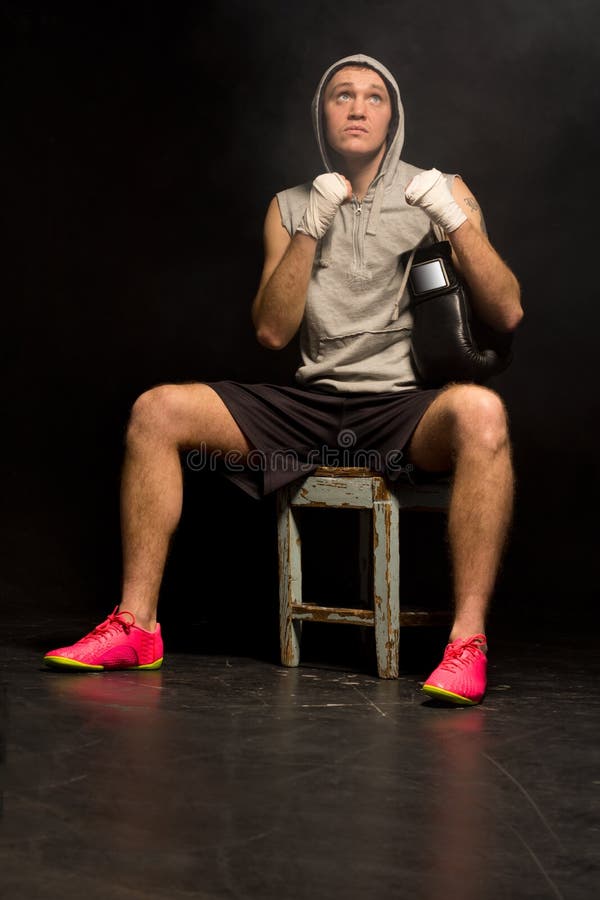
(386, 593)
(290, 579)
(365, 548)
(364, 555)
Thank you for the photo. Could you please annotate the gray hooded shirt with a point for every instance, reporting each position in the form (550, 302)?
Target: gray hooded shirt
(355, 334)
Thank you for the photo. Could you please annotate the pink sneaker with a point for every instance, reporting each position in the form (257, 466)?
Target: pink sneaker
(461, 676)
(117, 643)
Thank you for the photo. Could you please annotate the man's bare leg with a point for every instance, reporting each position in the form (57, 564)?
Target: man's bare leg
(164, 421)
(465, 429)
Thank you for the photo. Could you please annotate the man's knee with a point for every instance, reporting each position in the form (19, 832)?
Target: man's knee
(478, 418)
(156, 410)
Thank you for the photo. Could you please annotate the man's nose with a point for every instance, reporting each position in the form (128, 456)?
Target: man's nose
(357, 110)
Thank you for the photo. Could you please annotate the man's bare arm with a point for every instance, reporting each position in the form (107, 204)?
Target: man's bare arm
(279, 304)
(278, 307)
(493, 288)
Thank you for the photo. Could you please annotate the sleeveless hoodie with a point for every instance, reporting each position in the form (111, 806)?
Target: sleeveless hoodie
(355, 334)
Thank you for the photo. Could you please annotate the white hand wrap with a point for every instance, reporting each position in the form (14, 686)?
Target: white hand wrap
(429, 190)
(327, 194)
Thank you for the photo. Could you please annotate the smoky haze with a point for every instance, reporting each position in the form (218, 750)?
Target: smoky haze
(141, 152)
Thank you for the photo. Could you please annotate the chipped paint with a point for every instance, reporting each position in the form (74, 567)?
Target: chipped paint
(359, 489)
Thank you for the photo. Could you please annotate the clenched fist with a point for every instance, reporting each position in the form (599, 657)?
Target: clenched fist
(429, 191)
(327, 194)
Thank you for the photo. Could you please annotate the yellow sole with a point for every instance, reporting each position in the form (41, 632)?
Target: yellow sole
(441, 694)
(62, 662)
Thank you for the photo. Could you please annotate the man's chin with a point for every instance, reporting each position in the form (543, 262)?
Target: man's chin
(355, 147)
(356, 152)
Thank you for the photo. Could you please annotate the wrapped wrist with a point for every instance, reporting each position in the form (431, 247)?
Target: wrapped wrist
(429, 191)
(327, 194)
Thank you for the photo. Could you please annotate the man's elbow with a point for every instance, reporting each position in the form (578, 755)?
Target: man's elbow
(512, 316)
(512, 320)
(270, 339)
(516, 315)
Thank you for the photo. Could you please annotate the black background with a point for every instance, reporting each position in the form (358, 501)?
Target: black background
(142, 144)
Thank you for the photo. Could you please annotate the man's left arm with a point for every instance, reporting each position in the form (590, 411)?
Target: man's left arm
(493, 289)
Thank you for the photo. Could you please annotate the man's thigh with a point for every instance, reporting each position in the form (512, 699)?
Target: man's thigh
(191, 415)
(430, 446)
(460, 413)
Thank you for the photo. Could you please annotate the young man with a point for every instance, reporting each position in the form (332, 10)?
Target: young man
(332, 268)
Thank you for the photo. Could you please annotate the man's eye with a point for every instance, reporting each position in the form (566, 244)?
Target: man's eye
(344, 96)
(376, 99)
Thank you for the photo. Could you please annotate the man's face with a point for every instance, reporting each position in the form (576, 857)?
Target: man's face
(358, 112)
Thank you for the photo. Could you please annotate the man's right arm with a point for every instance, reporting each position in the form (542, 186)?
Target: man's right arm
(279, 304)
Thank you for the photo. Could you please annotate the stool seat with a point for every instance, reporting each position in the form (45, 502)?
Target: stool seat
(379, 504)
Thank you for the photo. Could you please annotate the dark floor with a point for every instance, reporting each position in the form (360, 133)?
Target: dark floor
(230, 777)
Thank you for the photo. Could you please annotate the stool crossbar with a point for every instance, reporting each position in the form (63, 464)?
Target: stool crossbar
(379, 505)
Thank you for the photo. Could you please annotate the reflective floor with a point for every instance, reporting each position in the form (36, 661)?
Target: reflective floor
(229, 777)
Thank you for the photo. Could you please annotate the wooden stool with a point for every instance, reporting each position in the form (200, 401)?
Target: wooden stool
(379, 549)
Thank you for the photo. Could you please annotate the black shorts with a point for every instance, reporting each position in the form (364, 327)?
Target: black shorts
(294, 430)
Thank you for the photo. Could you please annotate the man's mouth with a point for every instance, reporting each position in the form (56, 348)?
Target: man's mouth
(355, 129)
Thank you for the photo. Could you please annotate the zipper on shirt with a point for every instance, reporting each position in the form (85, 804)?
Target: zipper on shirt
(356, 248)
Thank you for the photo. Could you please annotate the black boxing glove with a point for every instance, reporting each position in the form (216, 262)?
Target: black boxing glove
(448, 342)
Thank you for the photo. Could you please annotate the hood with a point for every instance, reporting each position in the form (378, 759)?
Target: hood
(389, 164)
